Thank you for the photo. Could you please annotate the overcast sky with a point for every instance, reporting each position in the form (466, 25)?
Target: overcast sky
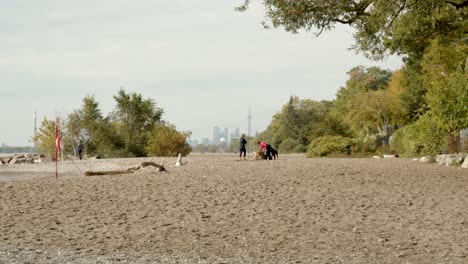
(201, 61)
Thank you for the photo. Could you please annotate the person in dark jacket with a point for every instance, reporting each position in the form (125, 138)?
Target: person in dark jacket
(80, 149)
(242, 149)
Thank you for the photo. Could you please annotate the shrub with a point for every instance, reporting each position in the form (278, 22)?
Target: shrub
(365, 145)
(288, 145)
(424, 137)
(166, 141)
(327, 145)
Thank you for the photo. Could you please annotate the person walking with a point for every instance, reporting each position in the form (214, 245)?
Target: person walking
(80, 149)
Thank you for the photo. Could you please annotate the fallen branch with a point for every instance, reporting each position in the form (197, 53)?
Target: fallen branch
(129, 170)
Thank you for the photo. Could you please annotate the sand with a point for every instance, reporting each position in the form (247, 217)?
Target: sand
(216, 209)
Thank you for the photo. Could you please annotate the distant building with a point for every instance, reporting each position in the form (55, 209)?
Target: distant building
(192, 142)
(235, 134)
(206, 141)
(225, 135)
(216, 135)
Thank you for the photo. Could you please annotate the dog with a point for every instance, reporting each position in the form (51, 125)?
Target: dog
(258, 155)
(274, 153)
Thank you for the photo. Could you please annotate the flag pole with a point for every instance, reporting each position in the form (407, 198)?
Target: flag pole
(57, 146)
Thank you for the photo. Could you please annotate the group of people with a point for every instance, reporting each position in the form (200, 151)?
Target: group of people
(263, 146)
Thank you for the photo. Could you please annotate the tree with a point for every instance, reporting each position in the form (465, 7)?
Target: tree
(81, 125)
(372, 111)
(401, 26)
(446, 78)
(365, 104)
(135, 116)
(165, 141)
(96, 132)
(45, 138)
(294, 123)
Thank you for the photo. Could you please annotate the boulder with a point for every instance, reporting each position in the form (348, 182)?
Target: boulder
(465, 163)
(425, 159)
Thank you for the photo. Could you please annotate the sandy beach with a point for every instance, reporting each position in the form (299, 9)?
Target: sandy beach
(216, 209)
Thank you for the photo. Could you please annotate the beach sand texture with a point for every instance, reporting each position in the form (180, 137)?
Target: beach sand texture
(216, 209)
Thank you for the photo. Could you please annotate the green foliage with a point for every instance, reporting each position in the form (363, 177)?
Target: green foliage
(365, 104)
(446, 79)
(330, 124)
(328, 145)
(290, 145)
(125, 132)
(295, 121)
(45, 138)
(165, 141)
(135, 116)
(400, 26)
(430, 34)
(364, 145)
(97, 134)
(424, 137)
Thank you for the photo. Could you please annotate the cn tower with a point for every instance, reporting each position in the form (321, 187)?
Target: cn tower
(250, 120)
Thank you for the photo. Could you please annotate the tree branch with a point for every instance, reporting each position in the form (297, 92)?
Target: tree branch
(458, 5)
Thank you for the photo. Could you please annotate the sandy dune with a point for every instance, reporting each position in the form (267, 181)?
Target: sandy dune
(220, 210)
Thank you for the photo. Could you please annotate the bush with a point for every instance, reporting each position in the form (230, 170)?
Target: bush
(327, 145)
(424, 137)
(288, 145)
(365, 145)
(166, 141)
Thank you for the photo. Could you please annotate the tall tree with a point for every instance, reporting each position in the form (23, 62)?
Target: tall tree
(446, 78)
(136, 117)
(88, 126)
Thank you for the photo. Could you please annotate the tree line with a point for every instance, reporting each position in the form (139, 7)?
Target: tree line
(133, 129)
(425, 102)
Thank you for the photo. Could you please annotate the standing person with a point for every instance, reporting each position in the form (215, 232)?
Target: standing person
(80, 149)
(242, 148)
(266, 148)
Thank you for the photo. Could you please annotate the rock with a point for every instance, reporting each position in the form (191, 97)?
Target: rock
(465, 163)
(376, 157)
(390, 156)
(453, 159)
(440, 159)
(425, 159)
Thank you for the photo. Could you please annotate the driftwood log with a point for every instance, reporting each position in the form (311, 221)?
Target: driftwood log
(129, 170)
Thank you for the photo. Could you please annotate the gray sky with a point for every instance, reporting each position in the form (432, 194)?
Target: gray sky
(201, 61)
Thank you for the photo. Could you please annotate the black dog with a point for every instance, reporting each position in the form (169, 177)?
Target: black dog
(274, 153)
